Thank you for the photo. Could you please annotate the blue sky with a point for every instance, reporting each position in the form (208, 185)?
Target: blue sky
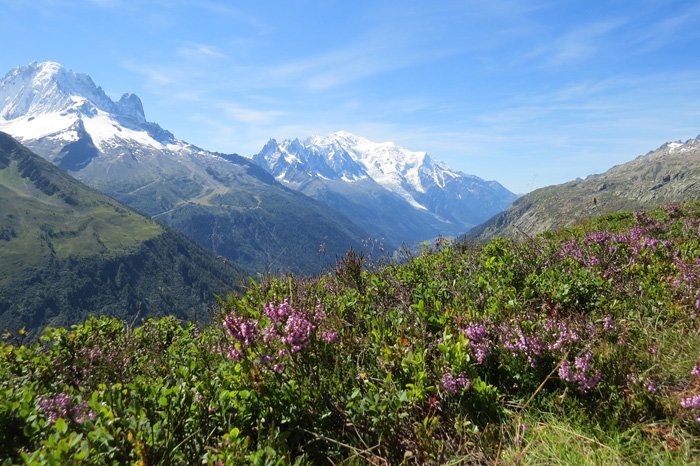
(529, 93)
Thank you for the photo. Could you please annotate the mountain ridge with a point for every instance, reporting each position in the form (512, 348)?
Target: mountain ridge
(668, 174)
(69, 251)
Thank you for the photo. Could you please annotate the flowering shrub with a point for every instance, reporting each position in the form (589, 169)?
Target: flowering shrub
(280, 331)
(458, 354)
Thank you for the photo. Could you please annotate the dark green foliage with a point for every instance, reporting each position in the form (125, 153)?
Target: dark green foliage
(167, 275)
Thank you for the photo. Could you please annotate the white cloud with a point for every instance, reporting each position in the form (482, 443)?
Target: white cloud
(577, 45)
(199, 51)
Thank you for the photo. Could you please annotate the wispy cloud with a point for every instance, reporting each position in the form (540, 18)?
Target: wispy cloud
(373, 54)
(199, 51)
(158, 76)
(681, 26)
(577, 45)
(248, 115)
(107, 3)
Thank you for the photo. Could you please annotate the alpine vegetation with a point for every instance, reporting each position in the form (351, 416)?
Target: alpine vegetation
(574, 347)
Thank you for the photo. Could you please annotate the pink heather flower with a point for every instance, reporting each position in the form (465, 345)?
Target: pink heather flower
(235, 353)
(565, 372)
(328, 336)
(580, 372)
(454, 385)
(270, 334)
(696, 371)
(650, 243)
(479, 341)
(652, 350)
(277, 313)
(241, 330)
(61, 406)
(297, 330)
(608, 323)
(692, 402)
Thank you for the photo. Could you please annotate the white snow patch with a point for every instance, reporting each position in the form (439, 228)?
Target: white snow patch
(352, 179)
(673, 146)
(30, 128)
(103, 129)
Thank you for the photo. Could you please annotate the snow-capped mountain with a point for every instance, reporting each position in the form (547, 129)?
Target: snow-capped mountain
(443, 201)
(47, 100)
(225, 202)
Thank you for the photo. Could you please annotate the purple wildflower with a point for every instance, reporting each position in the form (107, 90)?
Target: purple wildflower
(55, 407)
(240, 329)
(695, 372)
(454, 385)
(651, 386)
(61, 406)
(479, 341)
(328, 336)
(297, 332)
(580, 372)
(608, 323)
(692, 402)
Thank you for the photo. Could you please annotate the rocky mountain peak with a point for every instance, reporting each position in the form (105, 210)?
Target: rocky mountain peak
(130, 106)
(41, 99)
(40, 88)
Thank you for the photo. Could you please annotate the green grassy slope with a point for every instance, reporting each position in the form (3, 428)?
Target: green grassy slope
(67, 250)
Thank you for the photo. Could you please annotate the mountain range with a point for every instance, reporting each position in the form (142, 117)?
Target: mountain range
(666, 175)
(224, 202)
(391, 192)
(273, 211)
(68, 251)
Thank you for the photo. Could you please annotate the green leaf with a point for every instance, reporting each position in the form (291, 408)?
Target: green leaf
(61, 425)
